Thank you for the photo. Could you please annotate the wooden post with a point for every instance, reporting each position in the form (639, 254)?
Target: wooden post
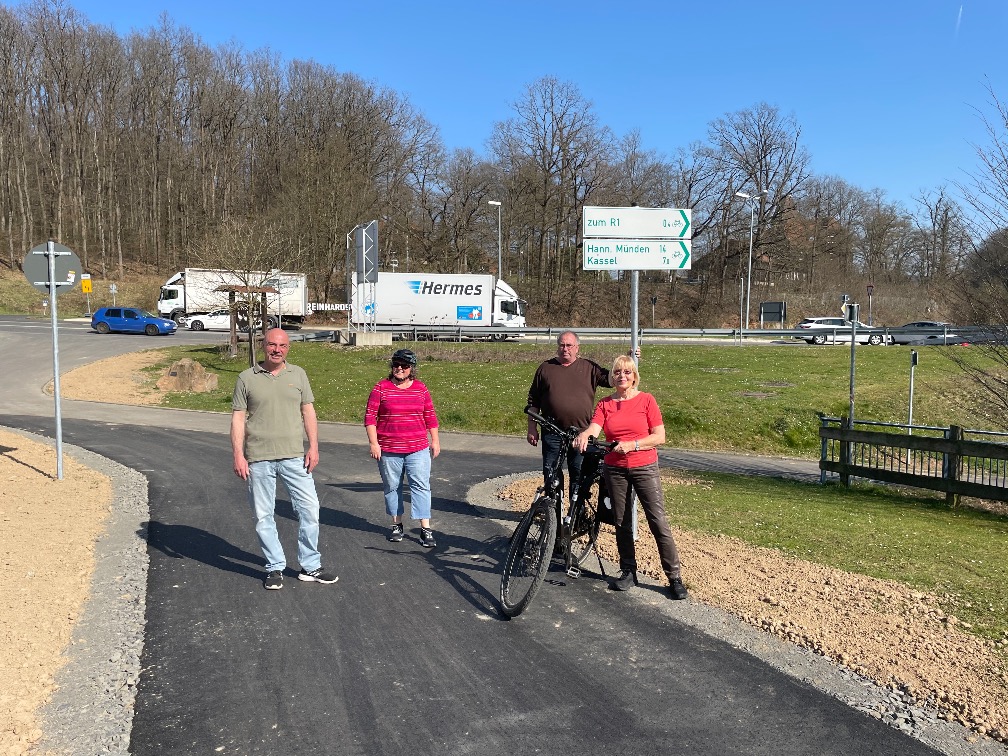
(950, 465)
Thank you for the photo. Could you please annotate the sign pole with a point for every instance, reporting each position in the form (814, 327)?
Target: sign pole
(56, 274)
(51, 254)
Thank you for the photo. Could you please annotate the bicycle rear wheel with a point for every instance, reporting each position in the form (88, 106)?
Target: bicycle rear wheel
(528, 558)
(584, 527)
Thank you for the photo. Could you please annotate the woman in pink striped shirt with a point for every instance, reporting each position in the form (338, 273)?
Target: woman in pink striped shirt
(399, 417)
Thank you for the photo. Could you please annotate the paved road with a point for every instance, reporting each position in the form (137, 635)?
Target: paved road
(407, 653)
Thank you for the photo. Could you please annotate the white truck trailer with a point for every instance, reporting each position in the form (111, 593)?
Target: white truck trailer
(194, 291)
(437, 304)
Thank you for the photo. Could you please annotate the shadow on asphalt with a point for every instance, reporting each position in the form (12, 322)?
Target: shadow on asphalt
(187, 542)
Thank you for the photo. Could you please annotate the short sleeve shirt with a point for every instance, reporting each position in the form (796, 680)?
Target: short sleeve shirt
(274, 428)
(629, 420)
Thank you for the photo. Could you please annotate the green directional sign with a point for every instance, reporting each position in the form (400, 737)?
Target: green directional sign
(637, 223)
(636, 254)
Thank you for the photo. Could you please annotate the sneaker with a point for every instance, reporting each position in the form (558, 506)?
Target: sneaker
(273, 581)
(317, 576)
(677, 589)
(427, 538)
(397, 532)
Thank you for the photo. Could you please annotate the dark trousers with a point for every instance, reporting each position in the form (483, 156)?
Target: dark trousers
(646, 483)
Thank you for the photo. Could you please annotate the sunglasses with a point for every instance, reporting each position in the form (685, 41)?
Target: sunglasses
(400, 366)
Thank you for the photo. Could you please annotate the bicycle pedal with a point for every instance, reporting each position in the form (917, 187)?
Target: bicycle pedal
(574, 572)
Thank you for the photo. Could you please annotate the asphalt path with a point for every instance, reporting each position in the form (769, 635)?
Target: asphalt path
(408, 651)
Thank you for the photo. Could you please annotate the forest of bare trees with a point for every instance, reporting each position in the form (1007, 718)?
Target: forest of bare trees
(137, 151)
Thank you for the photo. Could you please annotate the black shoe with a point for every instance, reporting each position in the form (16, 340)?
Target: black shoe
(626, 580)
(273, 581)
(317, 576)
(427, 538)
(397, 532)
(677, 589)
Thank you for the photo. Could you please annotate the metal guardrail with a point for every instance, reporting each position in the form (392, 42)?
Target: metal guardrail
(935, 458)
(419, 332)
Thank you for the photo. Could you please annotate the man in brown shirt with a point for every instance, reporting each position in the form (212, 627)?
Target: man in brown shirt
(563, 389)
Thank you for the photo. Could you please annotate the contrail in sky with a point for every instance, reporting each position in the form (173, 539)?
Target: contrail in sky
(958, 22)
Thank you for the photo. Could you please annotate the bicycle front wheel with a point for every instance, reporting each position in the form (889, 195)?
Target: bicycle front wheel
(528, 558)
(584, 527)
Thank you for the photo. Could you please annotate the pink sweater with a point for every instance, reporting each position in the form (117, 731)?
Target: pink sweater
(401, 416)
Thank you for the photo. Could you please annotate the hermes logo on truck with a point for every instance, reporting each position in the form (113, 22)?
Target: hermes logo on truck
(429, 287)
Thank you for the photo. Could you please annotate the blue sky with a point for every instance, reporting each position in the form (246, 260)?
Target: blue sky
(885, 92)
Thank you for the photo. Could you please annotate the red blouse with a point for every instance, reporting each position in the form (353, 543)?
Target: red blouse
(629, 420)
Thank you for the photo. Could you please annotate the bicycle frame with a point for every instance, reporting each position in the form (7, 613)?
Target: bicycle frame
(576, 523)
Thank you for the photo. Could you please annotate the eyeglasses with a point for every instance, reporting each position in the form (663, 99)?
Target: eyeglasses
(623, 372)
(567, 346)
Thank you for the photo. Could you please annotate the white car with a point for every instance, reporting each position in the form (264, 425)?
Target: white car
(218, 320)
(838, 331)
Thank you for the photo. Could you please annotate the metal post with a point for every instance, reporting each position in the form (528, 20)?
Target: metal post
(634, 344)
(51, 254)
(871, 288)
(634, 284)
(913, 365)
(752, 219)
(853, 342)
(741, 284)
(500, 272)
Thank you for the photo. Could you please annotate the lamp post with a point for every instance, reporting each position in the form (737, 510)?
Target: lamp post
(871, 288)
(498, 205)
(751, 200)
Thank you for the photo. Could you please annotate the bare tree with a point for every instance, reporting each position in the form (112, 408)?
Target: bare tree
(983, 287)
(556, 155)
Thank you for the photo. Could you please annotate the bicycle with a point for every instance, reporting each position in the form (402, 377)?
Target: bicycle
(531, 545)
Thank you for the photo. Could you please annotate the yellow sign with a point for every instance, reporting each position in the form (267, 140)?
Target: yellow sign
(85, 284)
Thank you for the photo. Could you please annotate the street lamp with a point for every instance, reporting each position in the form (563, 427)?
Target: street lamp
(871, 288)
(752, 222)
(498, 204)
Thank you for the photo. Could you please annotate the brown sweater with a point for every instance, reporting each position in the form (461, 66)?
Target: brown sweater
(567, 394)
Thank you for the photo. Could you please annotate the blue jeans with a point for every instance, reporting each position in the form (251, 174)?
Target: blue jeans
(300, 485)
(417, 466)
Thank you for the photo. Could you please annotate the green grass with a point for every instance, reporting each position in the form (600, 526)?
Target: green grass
(756, 399)
(869, 530)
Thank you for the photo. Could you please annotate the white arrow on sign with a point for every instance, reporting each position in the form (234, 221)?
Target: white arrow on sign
(636, 254)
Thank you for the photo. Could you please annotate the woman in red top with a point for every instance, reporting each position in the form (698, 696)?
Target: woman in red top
(631, 417)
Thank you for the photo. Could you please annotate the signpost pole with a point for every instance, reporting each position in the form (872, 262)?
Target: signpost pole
(58, 273)
(51, 254)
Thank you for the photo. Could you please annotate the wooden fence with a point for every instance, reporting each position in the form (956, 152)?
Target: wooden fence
(952, 460)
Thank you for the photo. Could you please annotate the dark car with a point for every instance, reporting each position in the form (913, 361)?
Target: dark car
(939, 339)
(913, 333)
(130, 320)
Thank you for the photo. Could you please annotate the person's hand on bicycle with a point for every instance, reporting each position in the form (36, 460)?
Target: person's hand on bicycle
(581, 441)
(533, 432)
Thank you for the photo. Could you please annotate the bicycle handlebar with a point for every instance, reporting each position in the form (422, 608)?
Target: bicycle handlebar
(594, 445)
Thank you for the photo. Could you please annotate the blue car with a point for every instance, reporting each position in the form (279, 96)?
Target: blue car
(130, 320)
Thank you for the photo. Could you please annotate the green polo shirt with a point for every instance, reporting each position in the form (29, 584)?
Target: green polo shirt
(274, 428)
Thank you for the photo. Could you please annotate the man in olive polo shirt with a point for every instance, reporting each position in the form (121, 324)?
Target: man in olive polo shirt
(272, 407)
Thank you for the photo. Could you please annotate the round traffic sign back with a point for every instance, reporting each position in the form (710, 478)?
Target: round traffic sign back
(67, 265)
